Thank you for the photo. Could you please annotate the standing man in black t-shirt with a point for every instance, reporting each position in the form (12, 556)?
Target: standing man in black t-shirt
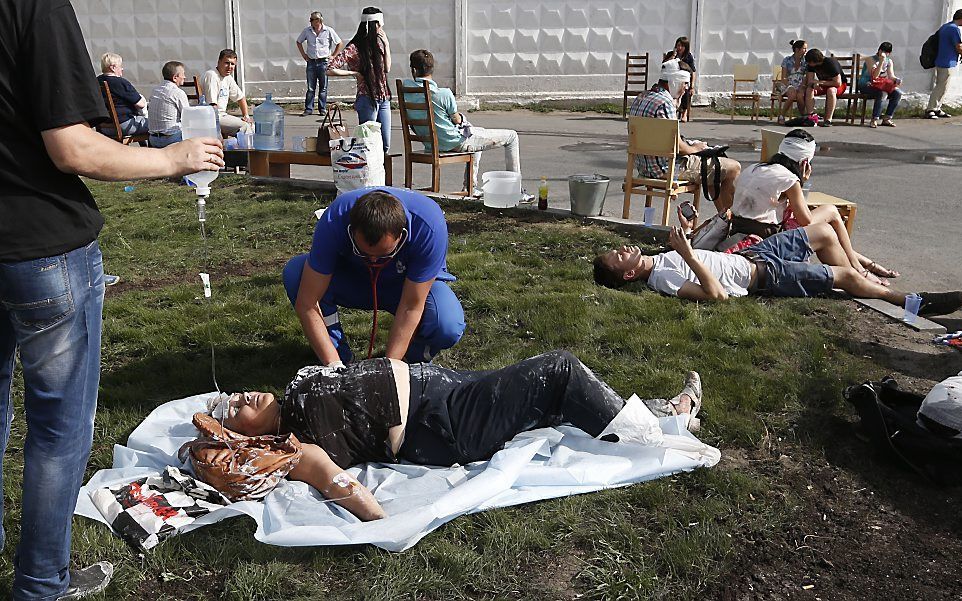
(824, 78)
(51, 272)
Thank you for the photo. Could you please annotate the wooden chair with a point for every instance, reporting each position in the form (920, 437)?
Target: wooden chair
(745, 74)
(778, 77)
(420, 115)
(112, 111)
(636, 78)
(850, 66)
(771, 140)
(193, 90)
(654, 137)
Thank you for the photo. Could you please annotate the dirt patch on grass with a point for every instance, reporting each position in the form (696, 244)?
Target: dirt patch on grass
(860, 528)
(241, 270)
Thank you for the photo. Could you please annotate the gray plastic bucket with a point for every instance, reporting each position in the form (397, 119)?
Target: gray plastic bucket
(587, 193)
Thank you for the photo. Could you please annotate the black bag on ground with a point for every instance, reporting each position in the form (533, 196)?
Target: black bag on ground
(803, 121)
(888, 417)
(930, 50)
(710, 160)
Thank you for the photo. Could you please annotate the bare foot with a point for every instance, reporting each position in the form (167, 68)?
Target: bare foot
(881, 270)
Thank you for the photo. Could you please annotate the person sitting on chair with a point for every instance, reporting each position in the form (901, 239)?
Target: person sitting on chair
(219, 87)
(451, 126)
(383, 410)
(769, 199)
(778, 266)
(131, 107)
(659, 103)
(167, 104)
(824, 78)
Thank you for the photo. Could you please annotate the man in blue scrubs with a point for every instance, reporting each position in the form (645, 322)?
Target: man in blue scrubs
(378, 248)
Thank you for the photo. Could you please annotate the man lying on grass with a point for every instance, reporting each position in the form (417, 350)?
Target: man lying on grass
(384, 410)
(777, 266)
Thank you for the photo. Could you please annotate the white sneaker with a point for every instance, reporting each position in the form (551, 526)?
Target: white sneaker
(931, 115)
(526, 198)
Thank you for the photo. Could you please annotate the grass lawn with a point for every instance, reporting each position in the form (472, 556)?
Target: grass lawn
(526, 288)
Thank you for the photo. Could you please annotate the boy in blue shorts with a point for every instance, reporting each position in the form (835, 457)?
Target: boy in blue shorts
(378, 248)
(778, 266)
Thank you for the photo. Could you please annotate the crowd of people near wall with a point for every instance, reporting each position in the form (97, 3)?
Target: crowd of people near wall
(52, 280)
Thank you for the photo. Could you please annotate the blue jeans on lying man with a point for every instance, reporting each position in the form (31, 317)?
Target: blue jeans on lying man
(442, 322)
(789, 270)
(879, 97)
(52, 310)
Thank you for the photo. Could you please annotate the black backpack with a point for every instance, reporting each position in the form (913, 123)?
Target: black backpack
(888, 417)
(930, 50)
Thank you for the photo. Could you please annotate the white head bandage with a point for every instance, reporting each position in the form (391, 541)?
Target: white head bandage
(797, 149)
(379, 17)
(676, 77)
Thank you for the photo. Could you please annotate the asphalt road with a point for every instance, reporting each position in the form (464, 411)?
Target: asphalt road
(906, 180)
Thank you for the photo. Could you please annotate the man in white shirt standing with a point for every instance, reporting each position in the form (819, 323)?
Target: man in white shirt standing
(220, 88)
(323, 43)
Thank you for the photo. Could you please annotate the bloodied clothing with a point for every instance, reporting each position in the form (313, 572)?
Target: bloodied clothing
(453, 416)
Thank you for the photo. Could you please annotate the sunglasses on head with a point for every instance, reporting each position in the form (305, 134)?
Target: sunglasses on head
(382, 259)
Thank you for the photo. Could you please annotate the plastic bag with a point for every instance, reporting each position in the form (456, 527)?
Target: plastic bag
(358, 161)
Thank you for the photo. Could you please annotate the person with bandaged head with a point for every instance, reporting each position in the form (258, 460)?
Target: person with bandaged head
(660, 102)
(769, 199)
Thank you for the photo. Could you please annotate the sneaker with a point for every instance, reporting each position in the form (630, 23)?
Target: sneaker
(932, 114)
(88, 581)
(526, 198)
(940, 303)
(110, 280)
(942, 114)
(307, 113)
(825, 123)
(667, 408)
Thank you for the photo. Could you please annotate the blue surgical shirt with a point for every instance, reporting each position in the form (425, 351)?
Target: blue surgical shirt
(423, 256)
(949, 37)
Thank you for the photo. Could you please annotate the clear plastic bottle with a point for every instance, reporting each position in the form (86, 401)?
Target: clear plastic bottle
(200, 122)
(268, 126)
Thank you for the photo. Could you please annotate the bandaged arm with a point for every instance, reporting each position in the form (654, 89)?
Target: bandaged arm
(317, 469)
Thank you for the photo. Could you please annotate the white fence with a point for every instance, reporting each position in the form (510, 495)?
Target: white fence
(512, 49)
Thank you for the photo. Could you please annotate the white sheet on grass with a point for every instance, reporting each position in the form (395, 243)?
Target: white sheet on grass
(535, 465)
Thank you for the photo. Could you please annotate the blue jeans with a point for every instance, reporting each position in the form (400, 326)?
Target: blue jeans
(879, 97)
(162, 141)
(369, 109)
(316, 83)
(786, 255)
(442, 322)
(52, 309)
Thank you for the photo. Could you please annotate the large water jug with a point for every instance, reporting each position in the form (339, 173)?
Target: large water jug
(268, 126)
(201, 122)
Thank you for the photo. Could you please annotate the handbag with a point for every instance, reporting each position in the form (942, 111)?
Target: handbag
(710, 234)
(710, 161)
(883, 83)
(242, 468)
(332, 128)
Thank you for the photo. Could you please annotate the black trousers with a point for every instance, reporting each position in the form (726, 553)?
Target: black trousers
(462, 416)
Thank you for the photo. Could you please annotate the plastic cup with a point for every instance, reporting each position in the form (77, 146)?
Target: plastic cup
(298, 143)
(649, 215)
(912, 304)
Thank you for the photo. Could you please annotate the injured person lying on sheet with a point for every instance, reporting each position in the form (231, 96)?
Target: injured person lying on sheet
(383, 410)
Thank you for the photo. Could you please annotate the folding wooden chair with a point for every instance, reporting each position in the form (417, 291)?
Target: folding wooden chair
(850, 65)
(636, 78)
(418, 116)
(771, 140)
(193, 90)
(648, 136)
(112, 111)
(746, 74)
(778, 77)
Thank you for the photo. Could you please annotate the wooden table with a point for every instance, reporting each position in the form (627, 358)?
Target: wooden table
(277, 163)
(846, 208)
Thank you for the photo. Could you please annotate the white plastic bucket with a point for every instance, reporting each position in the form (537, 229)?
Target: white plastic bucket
(502, 189)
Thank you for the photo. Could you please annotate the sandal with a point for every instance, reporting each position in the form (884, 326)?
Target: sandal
(887, 123)
(882, 271)
(868, 275)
